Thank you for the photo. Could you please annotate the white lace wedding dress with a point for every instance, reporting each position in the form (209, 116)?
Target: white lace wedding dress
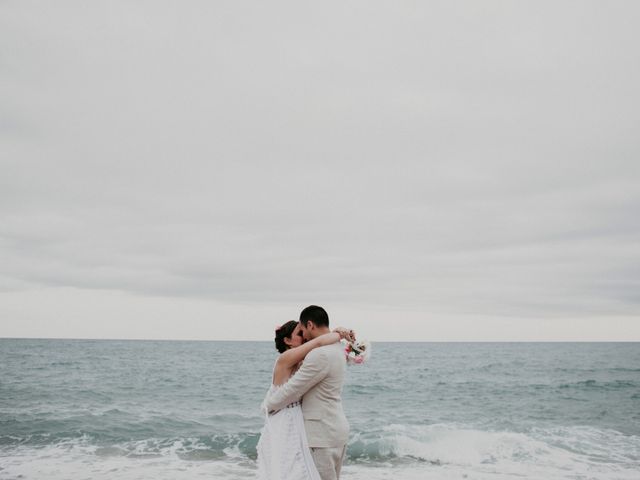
(283, 451)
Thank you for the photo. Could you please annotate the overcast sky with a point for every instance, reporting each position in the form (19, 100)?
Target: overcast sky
(424, 170)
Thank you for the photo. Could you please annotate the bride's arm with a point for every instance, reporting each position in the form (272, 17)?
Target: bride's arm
(293, 356)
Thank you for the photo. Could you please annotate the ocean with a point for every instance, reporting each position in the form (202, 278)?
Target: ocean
(111, 409)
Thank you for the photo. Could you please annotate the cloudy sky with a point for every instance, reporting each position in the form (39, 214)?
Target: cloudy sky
(424, 170)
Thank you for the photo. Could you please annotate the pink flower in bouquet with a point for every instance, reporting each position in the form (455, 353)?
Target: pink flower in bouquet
(358, 352)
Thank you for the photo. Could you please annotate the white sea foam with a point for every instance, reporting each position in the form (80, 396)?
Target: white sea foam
(575, 452)
(80, 461)
(410, 452)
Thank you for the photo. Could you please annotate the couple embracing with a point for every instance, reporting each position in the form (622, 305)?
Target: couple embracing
(305, 433)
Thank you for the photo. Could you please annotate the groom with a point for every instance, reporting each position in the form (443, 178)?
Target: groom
(319, 383)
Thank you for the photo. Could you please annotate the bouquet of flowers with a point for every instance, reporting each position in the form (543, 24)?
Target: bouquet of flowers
(357, 352)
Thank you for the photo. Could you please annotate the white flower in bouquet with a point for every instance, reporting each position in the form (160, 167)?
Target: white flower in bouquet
(357, 352)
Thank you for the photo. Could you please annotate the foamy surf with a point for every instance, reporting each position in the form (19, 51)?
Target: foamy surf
(398, 451)
(563, 453)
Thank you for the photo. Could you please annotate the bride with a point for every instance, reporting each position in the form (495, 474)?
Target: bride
(283, 451)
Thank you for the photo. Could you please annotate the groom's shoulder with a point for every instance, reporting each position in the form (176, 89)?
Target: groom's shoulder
(320, 353)
(333, 350)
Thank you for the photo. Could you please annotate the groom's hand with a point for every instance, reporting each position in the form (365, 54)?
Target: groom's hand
(313, 370)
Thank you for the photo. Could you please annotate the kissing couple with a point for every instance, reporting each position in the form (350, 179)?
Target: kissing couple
(306, 432)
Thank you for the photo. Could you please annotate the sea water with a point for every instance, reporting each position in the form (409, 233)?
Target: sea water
(106, 409)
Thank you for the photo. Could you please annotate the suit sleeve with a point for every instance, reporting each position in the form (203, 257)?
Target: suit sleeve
(314, 368)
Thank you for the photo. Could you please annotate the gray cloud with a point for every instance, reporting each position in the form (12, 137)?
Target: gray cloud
(473, 158)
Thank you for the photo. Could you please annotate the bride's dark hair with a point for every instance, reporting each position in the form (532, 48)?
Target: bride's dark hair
(283, 332)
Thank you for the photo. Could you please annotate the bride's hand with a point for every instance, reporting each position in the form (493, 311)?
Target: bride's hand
(345, 334)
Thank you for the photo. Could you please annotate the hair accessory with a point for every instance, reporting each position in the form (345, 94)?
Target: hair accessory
(278, 327)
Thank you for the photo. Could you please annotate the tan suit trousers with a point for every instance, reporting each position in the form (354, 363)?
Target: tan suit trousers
(329, 461)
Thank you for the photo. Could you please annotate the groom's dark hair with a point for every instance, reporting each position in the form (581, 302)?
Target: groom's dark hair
(317, 315)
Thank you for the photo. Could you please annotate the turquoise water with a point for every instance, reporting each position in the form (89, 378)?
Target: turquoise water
(171, 409)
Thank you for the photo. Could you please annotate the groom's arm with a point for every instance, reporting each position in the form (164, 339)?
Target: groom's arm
(313, 370)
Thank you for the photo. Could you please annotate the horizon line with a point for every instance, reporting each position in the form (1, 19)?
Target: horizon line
(269, 341)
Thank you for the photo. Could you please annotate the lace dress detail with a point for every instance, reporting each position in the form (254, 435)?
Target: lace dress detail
(283, 451)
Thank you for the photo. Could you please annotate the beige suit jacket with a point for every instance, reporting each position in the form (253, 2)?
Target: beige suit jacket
(319, 382)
